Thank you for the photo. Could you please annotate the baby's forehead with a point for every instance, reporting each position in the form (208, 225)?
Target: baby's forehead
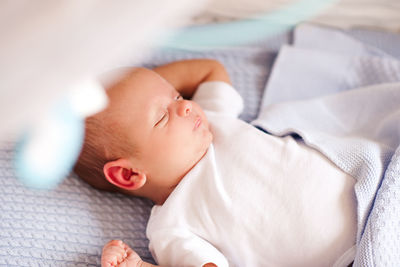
(139, 78)
(143, 80)
(117, 77)
(138, 91)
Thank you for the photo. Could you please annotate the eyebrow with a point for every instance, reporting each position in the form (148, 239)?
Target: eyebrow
(174, 93)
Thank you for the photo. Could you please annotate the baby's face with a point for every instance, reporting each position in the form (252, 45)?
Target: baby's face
(170, 134)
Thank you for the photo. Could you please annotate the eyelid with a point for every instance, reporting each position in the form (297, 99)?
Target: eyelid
(165, 116)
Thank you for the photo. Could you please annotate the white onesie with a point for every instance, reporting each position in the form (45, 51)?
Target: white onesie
(254, 199)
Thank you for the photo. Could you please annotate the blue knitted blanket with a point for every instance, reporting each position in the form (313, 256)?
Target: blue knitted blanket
(343, 98)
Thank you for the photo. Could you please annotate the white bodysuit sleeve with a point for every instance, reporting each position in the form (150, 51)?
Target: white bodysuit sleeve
(176, 247)
(220, 97)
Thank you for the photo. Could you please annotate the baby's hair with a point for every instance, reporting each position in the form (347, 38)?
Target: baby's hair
(104, 140)
(102, 143)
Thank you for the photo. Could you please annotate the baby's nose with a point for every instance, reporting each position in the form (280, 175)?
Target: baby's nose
(185, 107)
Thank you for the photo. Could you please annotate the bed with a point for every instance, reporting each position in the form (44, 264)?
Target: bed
(69, 225)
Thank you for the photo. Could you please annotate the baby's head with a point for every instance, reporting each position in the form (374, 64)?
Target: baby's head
(146, 140)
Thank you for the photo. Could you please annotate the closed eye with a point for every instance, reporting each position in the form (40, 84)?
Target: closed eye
(163, 120)
(165, 116)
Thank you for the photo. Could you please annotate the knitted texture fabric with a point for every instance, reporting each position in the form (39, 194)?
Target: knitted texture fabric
(381, 238)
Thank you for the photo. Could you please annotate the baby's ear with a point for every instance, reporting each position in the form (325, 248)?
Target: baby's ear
(121, 174)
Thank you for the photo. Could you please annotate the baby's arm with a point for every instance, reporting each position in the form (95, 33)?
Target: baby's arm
(117, 253)
(186, 75)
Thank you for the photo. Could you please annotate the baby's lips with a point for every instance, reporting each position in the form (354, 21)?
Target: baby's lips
(197, 122)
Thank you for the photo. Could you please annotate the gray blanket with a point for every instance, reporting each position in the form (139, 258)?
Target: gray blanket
(343, 98)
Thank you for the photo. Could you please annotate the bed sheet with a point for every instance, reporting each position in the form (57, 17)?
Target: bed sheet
(69, 226)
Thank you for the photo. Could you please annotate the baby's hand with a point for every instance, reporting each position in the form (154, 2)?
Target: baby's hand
(117, 253)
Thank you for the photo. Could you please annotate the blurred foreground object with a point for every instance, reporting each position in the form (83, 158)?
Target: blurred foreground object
(48, 48)
(47, 150)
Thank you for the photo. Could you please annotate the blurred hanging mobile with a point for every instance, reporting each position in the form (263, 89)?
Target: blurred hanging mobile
(239, 32)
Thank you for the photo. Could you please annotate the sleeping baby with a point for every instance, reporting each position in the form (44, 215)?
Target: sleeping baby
(225, 192)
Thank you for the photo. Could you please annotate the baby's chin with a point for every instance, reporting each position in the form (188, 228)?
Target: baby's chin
(208, 143)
